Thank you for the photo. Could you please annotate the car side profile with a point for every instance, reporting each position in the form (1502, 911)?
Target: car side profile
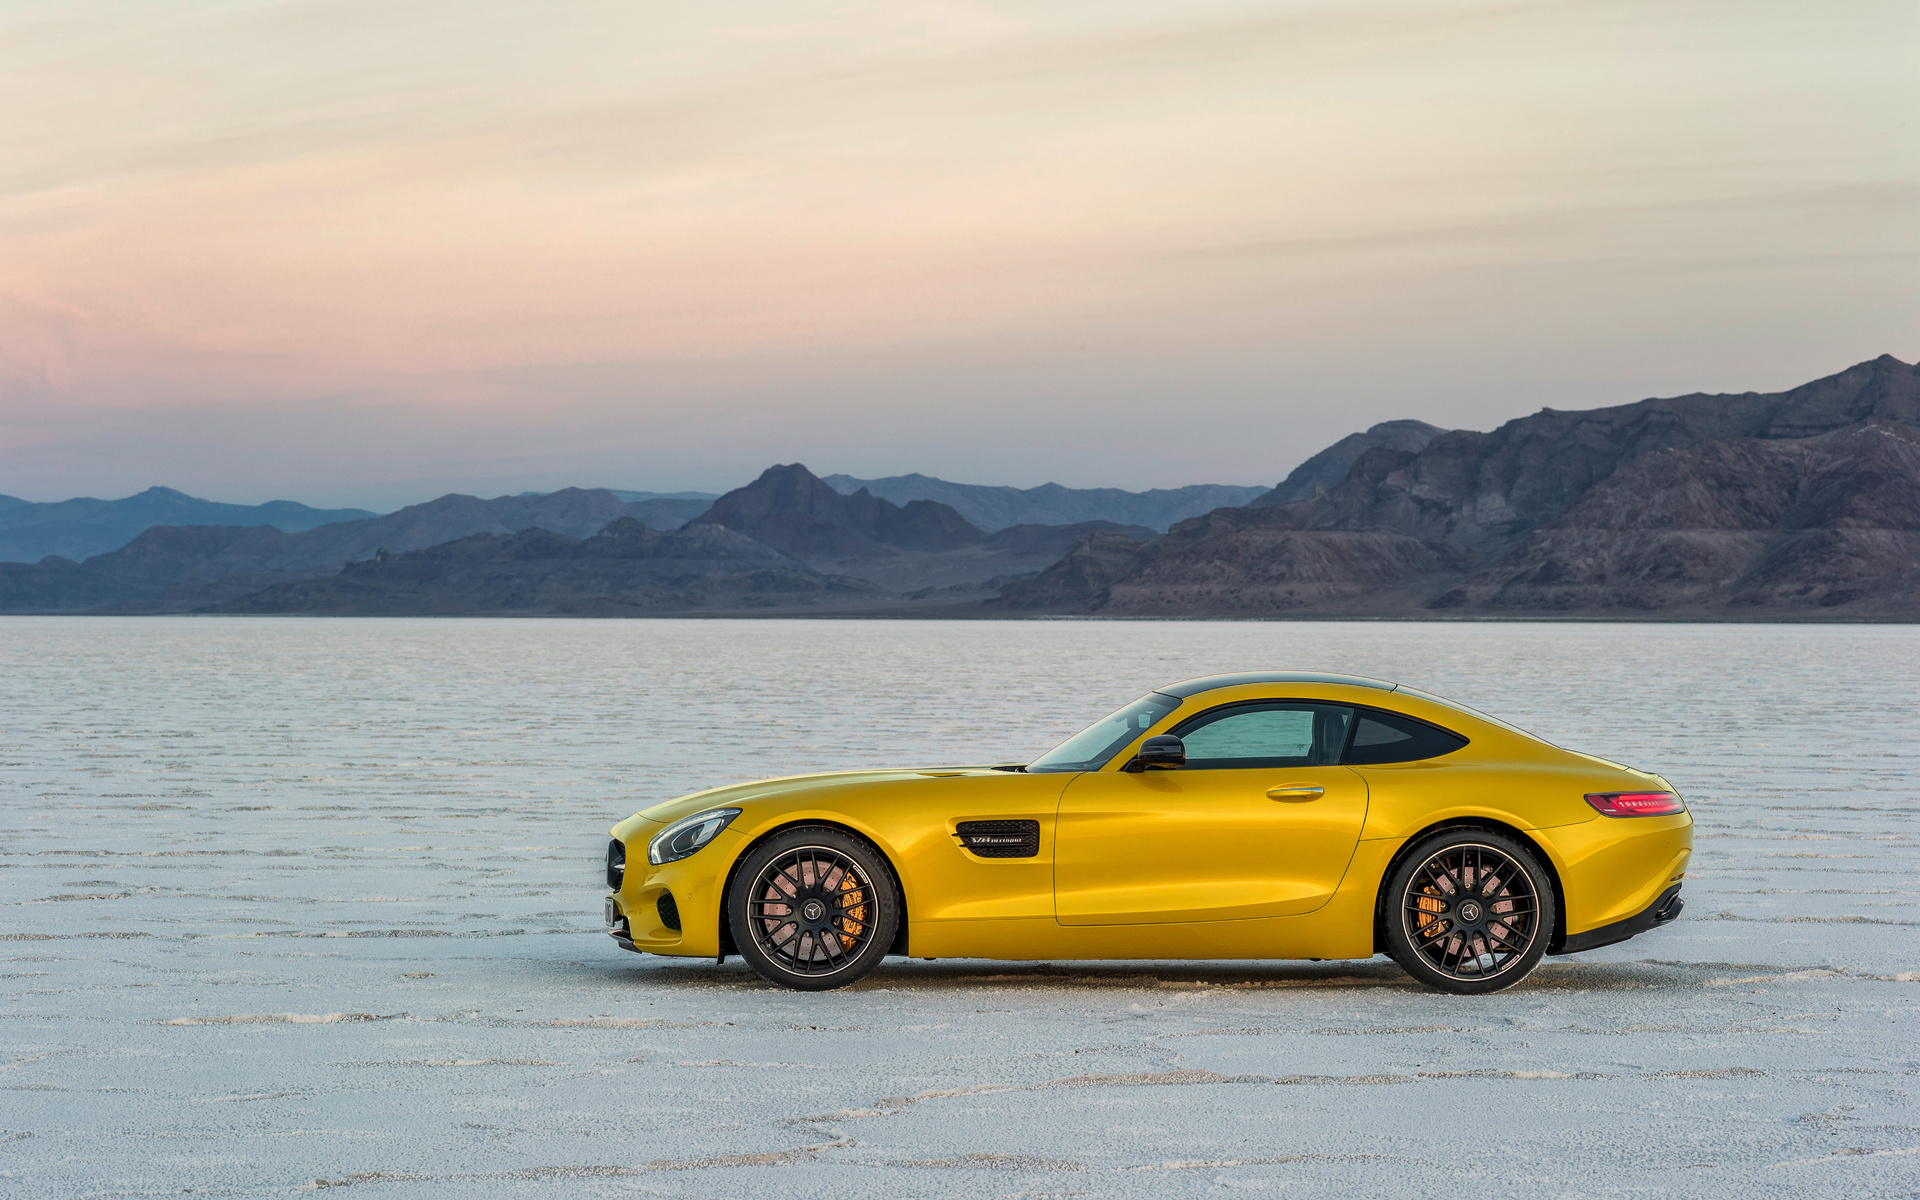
(1266, 815)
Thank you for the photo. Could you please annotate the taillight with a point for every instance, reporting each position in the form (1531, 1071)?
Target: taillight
(1635, 804)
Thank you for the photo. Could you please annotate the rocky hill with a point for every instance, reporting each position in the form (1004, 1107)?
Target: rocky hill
(77, 529)
(1828, 523)
(992, 508)
(625, 569)
(1795, 504)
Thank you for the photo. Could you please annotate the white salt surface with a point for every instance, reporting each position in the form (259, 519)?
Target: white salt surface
(294, 904)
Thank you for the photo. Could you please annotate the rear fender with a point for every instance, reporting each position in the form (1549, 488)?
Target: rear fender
(1542, 850)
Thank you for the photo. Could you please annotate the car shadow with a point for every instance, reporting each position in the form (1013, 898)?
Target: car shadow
(954, 975)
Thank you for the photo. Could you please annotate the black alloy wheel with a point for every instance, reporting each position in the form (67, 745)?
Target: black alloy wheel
(813, 908)
(1468, 911)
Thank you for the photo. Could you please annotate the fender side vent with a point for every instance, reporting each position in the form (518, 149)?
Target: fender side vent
(669, 911)
(1000, 839)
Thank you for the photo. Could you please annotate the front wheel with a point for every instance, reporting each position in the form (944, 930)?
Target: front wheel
(1468, 911)
(813, 908)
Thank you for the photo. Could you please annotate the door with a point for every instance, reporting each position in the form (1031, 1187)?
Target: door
(1261, 822)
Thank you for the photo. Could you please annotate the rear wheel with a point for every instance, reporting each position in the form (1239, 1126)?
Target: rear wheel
(813, 908)
(1468, 911)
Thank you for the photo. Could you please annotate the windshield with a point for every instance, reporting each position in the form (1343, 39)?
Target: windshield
(1090, 749)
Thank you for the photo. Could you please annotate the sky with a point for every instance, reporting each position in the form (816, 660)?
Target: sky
(358, 252)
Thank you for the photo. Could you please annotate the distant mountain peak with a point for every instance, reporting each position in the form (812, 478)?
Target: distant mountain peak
(792, 509)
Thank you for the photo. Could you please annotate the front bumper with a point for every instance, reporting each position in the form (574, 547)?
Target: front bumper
(1659, 913)
(688, 924)
(617, 927)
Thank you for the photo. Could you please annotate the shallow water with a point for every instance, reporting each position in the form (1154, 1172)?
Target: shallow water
(297, 901)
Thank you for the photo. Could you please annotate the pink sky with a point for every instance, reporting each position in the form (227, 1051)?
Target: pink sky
(366, 253)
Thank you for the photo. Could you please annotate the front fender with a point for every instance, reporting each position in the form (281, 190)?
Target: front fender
(698, 882)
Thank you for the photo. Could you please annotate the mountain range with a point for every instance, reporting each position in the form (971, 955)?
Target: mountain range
(1803, 504)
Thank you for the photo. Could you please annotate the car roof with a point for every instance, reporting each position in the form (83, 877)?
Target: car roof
(1207, 683)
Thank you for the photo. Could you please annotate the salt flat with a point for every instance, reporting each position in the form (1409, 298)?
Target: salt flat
(293, 904)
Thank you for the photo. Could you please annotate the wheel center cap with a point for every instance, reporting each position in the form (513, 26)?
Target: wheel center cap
(813, 910)
(1470, 912)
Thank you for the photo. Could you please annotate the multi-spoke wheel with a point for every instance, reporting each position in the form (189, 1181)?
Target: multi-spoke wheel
(813, 908)
(1468, 911)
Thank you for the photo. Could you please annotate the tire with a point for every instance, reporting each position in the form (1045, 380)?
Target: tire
(1468, 911)
(813, 908)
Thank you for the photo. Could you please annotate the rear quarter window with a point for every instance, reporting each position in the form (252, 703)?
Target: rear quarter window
(1383, 737)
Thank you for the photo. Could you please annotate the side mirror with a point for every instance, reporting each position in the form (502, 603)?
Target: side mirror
(1162, 752)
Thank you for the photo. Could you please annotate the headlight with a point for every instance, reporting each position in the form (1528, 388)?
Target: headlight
(683, 837)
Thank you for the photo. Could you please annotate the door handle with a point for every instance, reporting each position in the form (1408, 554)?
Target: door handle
(1296, 793)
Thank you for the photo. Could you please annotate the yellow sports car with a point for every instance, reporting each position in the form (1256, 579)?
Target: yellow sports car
(1264, 815)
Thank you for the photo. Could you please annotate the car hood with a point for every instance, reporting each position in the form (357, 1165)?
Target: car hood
(739, 795)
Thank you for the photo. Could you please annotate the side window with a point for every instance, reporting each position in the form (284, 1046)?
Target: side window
(1382, 737)
(1266, 734)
